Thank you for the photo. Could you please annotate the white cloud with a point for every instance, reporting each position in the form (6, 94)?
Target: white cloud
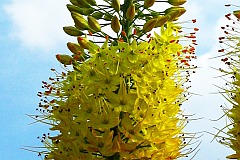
(38, 24)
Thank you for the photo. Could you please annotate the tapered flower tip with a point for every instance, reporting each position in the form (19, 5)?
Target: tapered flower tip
(175, 12)
(149, 25)
(72, 31)
(64, 59)
(116, 5)
(148, 3)
(177, 2)
(237, 14)
(161, 20)
(130, 12)
(93, 23)
(79, 20)
(115, 24)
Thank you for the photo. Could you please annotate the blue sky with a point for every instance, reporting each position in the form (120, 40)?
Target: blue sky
(30, 36)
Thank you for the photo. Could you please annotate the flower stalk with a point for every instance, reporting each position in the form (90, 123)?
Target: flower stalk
(121, 100)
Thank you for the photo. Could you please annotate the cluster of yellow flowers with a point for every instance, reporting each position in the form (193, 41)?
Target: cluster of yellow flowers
(121, 100)
(231, 57)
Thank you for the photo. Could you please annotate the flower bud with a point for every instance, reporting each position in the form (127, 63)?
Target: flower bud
(130, 12)
(149, 25)
(107, 17)
(97, 15)
(161, 20)
(175, 12)
(74, 2)
(176, 2)
(148, 3)
(92, 2)
(72, 31)
(116, 5)
(93, 23)
(83, 42)
(64, 59)
(83, 4)
(80, 21)
(75, 48)
(115, 24)
(237, 14)
(83, 11)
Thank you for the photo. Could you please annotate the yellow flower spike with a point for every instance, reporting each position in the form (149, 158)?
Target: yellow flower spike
(115, 24)
(231, 92)
(130, 12)
(149, 25)
(93, 23)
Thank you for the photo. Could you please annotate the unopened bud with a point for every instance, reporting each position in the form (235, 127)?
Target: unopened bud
(83, 4)
(161, 20)
(148, 3)
(175, 12)
(83, 42)
(80, 21)
(116, 5)
(107, 17)
(130, 12)
(149, 25)
(92, 2)
(177, 2)
(72, 31)
(115, 24)
(97, 15)
(75, 48)
(83, 11)
(93, 23)
(64, 59)
(237, 14)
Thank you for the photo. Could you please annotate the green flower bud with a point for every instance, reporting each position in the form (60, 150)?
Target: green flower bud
(72, 31)
(64, 59)
(149, 25)
(83, 4)
(93, 23)
(237, 14)
(97, 15)
(116, 5)
(130, 12)
(148, 3)
(83, 11)
(107, 17)
(92, 2)
(161, 20)
(75, 48)
(83, 42)
(175, 12)
(80, 21)
(176, 2)
(115, 24)
(74, 2)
